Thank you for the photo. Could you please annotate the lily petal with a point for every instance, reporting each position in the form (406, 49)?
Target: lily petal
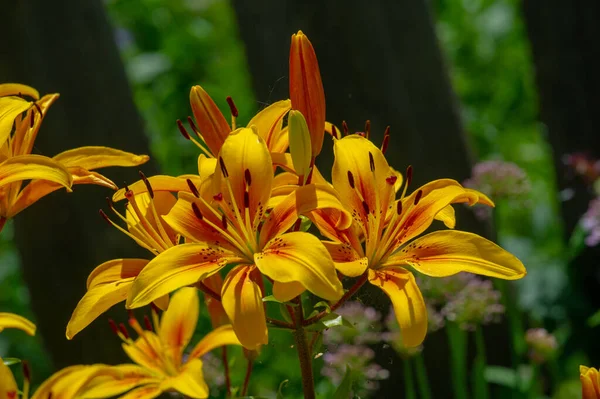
(94, 157)
(158, 183)
(145, 392)
(300, 257)
(18, 89)
(178, 323)
(345, 258)
(400, 285)
(72, 382)
(189, 382)
(147, 351)
(129, 376)
(269, 124)
(8, 385)
(115, 270)
(10, 108)
(211, 122)
(444, 253)
(177, 267)
(285, 292)
(221, 336)
(11, 320)
(590, 382)
(242, 300)
(27, 167)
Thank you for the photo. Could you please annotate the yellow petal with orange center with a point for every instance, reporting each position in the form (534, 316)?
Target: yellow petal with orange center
(10, 108)
(73, 381)
(269, 124)
(590, 382)
(221, 336)
(11, 320)
(178, 323)
(144, 392)
(27, 167)
(400, 286)
(147, 351)
(128, 376)
(346, 260)
(300, 257)
(211, 122)
(444, 253)
(306, 88)
(182, 265)
(242, 300)
(18, 89)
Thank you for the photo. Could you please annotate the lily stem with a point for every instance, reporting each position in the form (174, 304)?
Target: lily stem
(247, 378)
(304, 355)
(351, 291)
(226, 371)
(208, 291)
(280, 324)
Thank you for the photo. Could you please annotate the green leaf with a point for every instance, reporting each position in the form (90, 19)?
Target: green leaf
(318, 344)
(576, 241)
(323, 304)
(305, 223)
(345, 389)
(284, 313)
(501, 375)
(9, 361)
(331, 320)
(594, 320)
(281, 386)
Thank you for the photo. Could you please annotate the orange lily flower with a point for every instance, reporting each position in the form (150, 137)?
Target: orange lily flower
(110, 283)
(379, 241)
(223, 223)
(160, 362)
(10, 320)
(590, 382)
(46, 174)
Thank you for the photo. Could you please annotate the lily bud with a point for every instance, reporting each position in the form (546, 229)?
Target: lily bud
(212, 124)
(300, 143)
(306, 88)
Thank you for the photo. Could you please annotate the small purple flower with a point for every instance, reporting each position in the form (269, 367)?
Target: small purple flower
(590, 222)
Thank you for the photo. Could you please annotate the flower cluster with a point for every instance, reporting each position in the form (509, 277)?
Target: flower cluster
(590, 222)
(542, 345)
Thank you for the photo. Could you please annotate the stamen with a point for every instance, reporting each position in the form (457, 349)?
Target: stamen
(147, 323)
(386, 140)
(391, 180)
(38, 109)
(351, 179)
(246, 199)
(184, 132)
(147, 183)
(368, 128)
(113, 326)
(32, 119)
(193, 126)
(361, 134)
(365, 207)
(105, 216)
(232, 107)
(409, 174)
(248, 177)
(418, 196)
(26, 370)
(371, 162)
(193, 188)
(123, 330)
(224, 221)
(334, 132)
(345, 127)
(196, 211)
(218, 197)
(223, 168)
(399, 207)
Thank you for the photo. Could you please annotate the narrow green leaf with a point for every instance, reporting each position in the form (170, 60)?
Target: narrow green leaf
(9, 361)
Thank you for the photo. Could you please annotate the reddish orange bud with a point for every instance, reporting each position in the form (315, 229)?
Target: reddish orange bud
(211, 123)
(306, 88)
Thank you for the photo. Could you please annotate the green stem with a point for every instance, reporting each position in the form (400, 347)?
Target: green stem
(480, 387)
(457, 340)
(422, 379)
(409, 384)
(304, 355)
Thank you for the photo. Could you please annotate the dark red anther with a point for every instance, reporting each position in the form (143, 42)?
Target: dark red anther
(193, 188)
(147, 183)
(365, 206)
(247, 177)
(26, 370)
(218, 197)
(371, 162)
(334, 132)
(246, 199)
(361, 134)
(386, 140)
(223, 168)
(391, 179)
(123, 330)
(125, 186)
(345, 127)
(32, 119)
(351, 179)
(193, 126)
(147, 323)
(38, 109)
(196, 211)
(105, 216)
(113, 326)
(224, 221)
(182, 129)
(399, 207)
(232, 107)
(418, 196)
(368, 128)
(409, 173)
(11, 394)
(155, 308)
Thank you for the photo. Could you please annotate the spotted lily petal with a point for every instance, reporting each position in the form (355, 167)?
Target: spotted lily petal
(221, 336)
(400, 285)
(94, 157)
(144, 392)
(269, 124)
(300, 257)
(11, 320)
(211, 122)
(128, 376)
(242, 300)
(26, 167)
(178, 323)
(177, 267)
(444, 253)
(346, 259)
(73, 381)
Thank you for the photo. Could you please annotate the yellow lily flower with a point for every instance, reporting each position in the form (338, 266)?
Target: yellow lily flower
(160, 362)
(46, 174)
(10, 320)
(379, 239)
(223, 222)
(590, 382)
(110, 283)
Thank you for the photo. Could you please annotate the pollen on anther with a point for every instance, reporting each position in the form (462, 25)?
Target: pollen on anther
(147, 183)
(193, 125)
(351, 179)
(386, 140)
(223, 168)
(365, 206)
(247, 177)
(334, 132)
(113, 326)
(246, 199)
(224, 221)
(399, 207)
(418, 196)
(409, 173)
(196, 211)
(232, 107)
(368, 128)
(182, 129)
(345, 127)
(32, 119)
(147, 323)
(123, 330)
(391, 179)
(26, 370)
(193, 188)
